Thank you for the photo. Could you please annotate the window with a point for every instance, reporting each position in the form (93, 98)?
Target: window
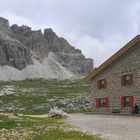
(102, 102)
(127, 79)
(101, 83)
(127, 101)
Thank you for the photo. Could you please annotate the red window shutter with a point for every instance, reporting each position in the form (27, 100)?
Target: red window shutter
(107, 102)
(131, 101)
(122, 101)
(97, 103)
(123, 80)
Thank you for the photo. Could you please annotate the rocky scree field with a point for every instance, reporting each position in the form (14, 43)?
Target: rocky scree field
(27, 53)
(38, 96)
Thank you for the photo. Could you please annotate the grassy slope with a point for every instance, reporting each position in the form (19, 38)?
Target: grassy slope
(26, 128)
(30, 93)
(35, 92)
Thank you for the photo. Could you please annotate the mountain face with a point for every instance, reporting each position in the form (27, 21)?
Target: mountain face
(25, 53)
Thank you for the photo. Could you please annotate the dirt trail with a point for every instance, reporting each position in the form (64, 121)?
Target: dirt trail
(12, 115)
(111, 127)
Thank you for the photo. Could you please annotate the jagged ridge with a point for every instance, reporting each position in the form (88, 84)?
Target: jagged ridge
(20, 46)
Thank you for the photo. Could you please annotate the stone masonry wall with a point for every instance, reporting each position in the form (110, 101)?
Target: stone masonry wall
(129, 62)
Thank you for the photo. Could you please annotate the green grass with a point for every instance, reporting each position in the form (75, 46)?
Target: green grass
(43, 129)
(6, 123)
(58, 134)
(39, 91)
(51, 87)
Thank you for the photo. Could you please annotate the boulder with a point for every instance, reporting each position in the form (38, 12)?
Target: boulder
(87, 100)
(1, 114)
(70, 105)
(56, 112)
(61, 103)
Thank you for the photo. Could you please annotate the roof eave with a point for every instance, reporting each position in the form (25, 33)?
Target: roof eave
(109, 61)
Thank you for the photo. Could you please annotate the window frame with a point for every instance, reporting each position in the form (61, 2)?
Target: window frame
(124, 81)
(126, 103)
(102, 102)
(100, 85)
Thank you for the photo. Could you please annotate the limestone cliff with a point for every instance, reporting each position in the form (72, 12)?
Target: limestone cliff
(38, 55)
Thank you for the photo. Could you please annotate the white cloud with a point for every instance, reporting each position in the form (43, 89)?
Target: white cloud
(97, 27)
(98, 49)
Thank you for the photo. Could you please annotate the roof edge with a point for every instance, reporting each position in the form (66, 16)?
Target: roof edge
(110, 60)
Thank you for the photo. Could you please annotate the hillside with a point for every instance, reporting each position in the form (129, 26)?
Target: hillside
(38, 96)
(26, 53)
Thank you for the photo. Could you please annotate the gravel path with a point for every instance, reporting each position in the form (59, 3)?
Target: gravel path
(111, 127)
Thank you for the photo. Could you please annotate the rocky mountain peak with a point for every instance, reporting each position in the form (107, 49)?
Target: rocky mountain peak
(4, 25)
(24, 30)
(49, 32)
(50, 36)
(21, 48)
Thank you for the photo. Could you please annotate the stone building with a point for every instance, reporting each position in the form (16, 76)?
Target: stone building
(116, 83)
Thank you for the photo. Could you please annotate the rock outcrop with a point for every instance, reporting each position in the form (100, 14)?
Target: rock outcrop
(21, 47)
(12, 51)
(56, 112)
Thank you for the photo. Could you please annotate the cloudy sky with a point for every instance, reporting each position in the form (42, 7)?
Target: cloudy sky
(97, 27)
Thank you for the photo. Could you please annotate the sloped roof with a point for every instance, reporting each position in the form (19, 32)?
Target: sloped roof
(109, 61)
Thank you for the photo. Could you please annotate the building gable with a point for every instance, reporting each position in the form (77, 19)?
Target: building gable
(113, 58)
